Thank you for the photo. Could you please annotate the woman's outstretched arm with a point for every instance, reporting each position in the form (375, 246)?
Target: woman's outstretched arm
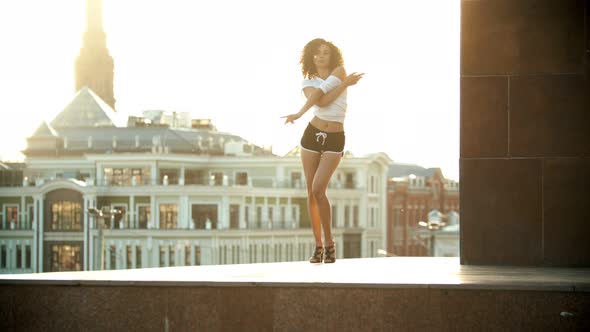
(316, 96)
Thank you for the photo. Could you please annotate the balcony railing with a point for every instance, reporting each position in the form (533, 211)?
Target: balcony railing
(14, 226)
(250, 182)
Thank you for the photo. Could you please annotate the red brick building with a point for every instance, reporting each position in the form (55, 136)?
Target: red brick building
(412, 193)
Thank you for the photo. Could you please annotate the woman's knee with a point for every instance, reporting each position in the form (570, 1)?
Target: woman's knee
(318, 194)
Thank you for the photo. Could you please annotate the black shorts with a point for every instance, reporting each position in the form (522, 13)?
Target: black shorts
(317, 141)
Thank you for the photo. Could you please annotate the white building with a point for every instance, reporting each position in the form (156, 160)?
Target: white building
(186, 196)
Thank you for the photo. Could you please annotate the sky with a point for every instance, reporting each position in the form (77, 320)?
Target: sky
(237, 62)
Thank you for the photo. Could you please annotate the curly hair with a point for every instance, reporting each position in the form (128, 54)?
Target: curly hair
(308, 67)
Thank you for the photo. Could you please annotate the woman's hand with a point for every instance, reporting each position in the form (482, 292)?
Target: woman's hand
(291, 117)
(353, 79)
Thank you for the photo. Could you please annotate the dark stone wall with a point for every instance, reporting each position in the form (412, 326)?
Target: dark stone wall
(139, 308)
(525, 132)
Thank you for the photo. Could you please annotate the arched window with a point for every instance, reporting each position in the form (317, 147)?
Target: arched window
(63, 211)
(66, 216)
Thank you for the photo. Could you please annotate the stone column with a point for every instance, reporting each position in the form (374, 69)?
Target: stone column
(39, 201)
(223, 222)
(154, 174)
(100, 181)
(181, 177)
(524, 132)
(184, 219)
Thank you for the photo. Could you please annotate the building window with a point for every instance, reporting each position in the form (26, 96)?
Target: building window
(241, 178)
(113, 257)
(127, 176)
(355, 216)
(296, 180)
(140, 176)
(3, 257)
(258, 221)
(138, 262)
(19, 257)
(349, 184)
(10, 217)
(129, 258)
(168, 216)
(162, 256)
(172, 256)
(194, 176)
(197, 255)
(30, 217)
(120, 218)
(143, 216)
(170, 176)
(222, 255)
(234, 216)
(117, 176)
(234, 255)
(65, 257)
(66, 216)
(205, 216)
(217, 178)
(27, 257)
(187, 255)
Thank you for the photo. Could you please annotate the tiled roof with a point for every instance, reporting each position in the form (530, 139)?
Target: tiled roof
(401, 170)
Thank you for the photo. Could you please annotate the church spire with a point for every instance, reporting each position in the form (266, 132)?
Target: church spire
(94, 65)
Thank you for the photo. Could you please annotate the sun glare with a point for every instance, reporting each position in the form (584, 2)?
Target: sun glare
(236, 62)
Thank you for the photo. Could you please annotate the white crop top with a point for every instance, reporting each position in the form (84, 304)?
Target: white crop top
(336, 110)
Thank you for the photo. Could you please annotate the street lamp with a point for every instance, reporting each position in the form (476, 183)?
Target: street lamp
(435, 223)
(99, 217)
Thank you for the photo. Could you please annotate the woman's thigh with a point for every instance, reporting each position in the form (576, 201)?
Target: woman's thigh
(310, 161)
(326, 167)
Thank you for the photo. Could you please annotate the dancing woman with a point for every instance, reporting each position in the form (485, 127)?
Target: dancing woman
(322, 145)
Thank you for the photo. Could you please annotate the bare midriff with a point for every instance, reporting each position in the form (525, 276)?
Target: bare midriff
(327, 126)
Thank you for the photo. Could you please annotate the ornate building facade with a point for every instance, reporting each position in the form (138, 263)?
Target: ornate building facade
(96, 195)
(415, 195)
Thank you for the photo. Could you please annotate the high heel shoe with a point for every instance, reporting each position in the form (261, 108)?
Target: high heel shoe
(330, 254)
(317, 256)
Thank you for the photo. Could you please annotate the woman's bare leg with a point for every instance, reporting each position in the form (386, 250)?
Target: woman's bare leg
(310, 162)
(327, 165)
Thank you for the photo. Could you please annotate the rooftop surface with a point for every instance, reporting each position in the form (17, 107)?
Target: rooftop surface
(394, 272)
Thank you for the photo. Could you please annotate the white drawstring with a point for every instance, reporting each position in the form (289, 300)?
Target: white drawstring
(322, 135)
